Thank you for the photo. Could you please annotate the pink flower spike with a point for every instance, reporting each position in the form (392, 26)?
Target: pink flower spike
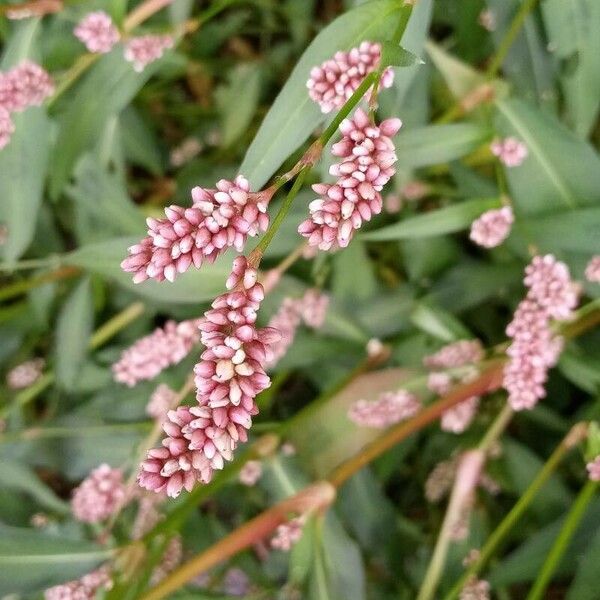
(7, 127)
(456, 354)
(313, 308)
(335, 80)
(250, 473)
(458, 418)
(288, 534)
(97, 31)
(593, 469)
(510, 151)
(390, 408)
(85, 588)
(25, 374)
(592, 270)
(161, 402)
(492, 227)
(27, 84)
(143, 50)
(99, 496)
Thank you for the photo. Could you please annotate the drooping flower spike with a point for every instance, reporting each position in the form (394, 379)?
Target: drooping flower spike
(333, 82)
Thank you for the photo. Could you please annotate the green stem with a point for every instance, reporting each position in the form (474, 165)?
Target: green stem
(574, 436)
(22, 287)
(562, 541)
(496, 429)
(33, 263)
(526, 7)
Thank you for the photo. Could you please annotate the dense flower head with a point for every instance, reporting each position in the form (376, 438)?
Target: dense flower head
(475, 589)
(455, 354)
(250, 473)
(218, 219)
(27, 84)
(97, 31)
(534, 349)
(459, 417)
(492, 227)
(286, 320)
(592, 270)
(314, 306)
(332, 83)
(25, 374)
(228, 377)
(593, 469)
(7, 127)
(288, 534)
(164, 347)
(99, 495)
(367, 156)
(388, 409)
(85, 588)
(145, 49)
(510, 151)
(161, 401)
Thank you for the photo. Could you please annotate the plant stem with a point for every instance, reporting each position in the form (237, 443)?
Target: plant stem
(315, 497)
(564, 537)
(509, 37)
(488, 381)
(142, 12)
(32, 263)
(496, 429)
(21, 287)
(575, 435)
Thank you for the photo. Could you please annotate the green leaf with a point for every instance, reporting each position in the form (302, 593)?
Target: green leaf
(238, 100)
(24, 161)
(437, 144)
(140, 143)
(30, 561)
(197, 285)
(73, 329)
(561, 171)
(294, 115)
(450, 219)
(395, 55)
(108, 88)
(19, 477)
(587, 577)
(438, 323)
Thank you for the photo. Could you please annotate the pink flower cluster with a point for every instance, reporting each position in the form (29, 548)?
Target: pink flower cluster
(311, 308)
(475, 589)
(85, 588)
(592, 270)
(367, 156)
(288, 534)
(250, 473)
(388, 409)
(25, 85)
(229, 376)
(459, 417)
(331, 84)
(161, 401)
(219, 218)
(534, 349)
(99, 495)
(492, 227)
(593, 469)
(510, 151)
(145, 49)
(164, 347)
(25, 374)
(97, 31)
(454, 355)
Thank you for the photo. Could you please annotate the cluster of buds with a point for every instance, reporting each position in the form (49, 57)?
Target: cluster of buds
(288, 534)
(23, 86)
(99, 495)
(367, 156)
(228, 377)
(510, 151)
(492, 227)
(388, 409)
(97, 32)
(85, 588)
(145, 49)
(161, 401)
(218, 219)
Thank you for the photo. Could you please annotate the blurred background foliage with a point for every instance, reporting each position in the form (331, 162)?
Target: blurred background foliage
(82, 172)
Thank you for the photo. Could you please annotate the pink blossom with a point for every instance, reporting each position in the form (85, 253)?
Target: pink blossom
(152, 354)
(85, 588)
(367, 156)
(592, 270)
(439, 382)
(27, 84)
(288, 534)
(314, 308)
(492, 227)
(250, 473)
(143, 50)
(475, 589)
(487, 19)
(511, 151)
(218, 219)
(169, 560)
(286, 320)
(459, 417)
(7, 127)
(97, 31)
(456, 354)
(414, 190)
(332, 83)
(25, 374)
(388, 409)
(593, 469)
(161, 402)
(229, 376)
(392, 204)
(99, 495)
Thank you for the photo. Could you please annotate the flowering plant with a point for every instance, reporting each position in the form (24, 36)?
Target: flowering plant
(300, 300)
